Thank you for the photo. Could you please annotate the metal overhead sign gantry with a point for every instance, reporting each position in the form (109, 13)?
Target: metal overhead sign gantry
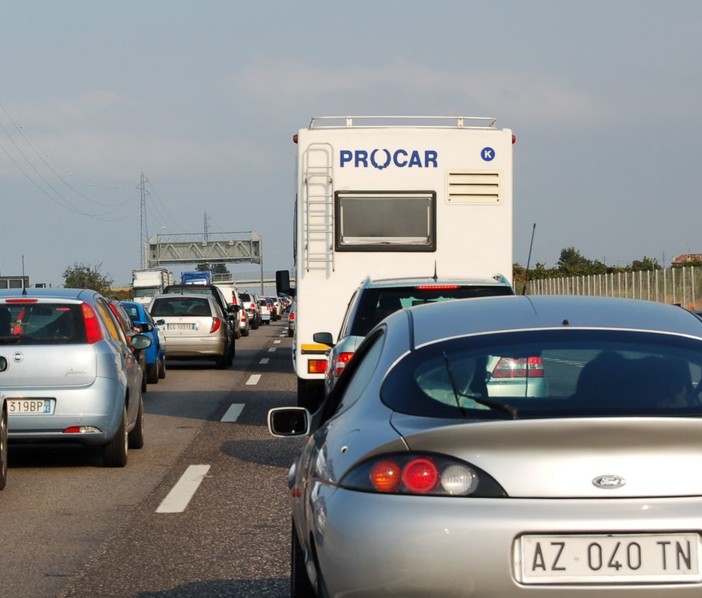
(207, 248)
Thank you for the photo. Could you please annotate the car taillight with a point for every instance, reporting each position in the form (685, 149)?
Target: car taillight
(216, 324)
(519, 367)
(341, 360)
(93, 332)
(291, 315)
(436, 287)
(316, 366)
(418, 474)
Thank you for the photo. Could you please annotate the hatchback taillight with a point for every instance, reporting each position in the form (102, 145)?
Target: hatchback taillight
(519, 367)
(93, 331)
(216, 324)
(341, 360)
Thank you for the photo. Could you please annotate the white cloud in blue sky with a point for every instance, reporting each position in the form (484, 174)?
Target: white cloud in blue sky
(204, 97)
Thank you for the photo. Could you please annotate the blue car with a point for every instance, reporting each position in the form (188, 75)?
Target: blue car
(156, 353)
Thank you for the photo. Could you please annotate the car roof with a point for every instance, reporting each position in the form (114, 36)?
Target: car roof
(62, 293)
(517, 312)
(497, 280)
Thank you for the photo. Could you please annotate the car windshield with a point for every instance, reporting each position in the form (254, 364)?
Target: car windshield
(378, 303)
(44, 323)
(178, 305)
(550, 374)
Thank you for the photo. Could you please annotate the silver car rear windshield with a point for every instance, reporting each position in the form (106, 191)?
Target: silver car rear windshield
(378, 304)
(42, 323)
(549, 374)
(177, 305)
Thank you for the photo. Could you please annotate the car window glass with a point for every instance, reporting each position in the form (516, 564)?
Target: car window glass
(558, 374)
(377, 304)
(46, 323)
(362, 372)
(113, 329)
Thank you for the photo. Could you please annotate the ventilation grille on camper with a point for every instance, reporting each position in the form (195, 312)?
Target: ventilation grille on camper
(465, 187)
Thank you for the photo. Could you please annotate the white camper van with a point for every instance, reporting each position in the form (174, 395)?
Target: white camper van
(391, 197)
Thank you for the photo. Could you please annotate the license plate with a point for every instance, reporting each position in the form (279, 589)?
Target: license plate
(610, 558)
(30, 406)
(181, 326)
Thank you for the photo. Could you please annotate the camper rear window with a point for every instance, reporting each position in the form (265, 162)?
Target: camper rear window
(387, 221)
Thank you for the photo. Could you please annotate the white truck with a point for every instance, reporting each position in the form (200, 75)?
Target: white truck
(391, 197)
(149, 282)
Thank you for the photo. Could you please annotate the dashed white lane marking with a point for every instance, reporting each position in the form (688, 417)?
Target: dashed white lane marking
(233, 412)
(276, 342)
(253, 379)
(180, 495)
(264, 360)
(272, 349)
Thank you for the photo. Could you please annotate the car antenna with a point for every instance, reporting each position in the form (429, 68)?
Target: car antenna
(435, 275)
(526, 272)
(24, 286)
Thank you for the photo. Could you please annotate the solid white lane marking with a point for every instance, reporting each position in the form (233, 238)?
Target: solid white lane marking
(233, 412)
(180, 495)
(253, 379)
(272, 349)
(264, 360)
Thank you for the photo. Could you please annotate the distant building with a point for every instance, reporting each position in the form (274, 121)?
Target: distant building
(14, 282)
(686, 258)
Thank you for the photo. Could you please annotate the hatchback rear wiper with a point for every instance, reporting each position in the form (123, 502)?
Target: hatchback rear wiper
(478, 398)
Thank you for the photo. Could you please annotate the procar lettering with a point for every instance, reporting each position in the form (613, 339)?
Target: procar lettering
(383, 158)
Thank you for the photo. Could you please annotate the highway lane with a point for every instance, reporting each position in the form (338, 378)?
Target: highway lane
(69, 527)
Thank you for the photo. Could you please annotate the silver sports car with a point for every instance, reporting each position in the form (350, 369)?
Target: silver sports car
(417, 480)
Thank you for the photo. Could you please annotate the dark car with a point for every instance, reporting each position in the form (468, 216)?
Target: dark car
(230, 311)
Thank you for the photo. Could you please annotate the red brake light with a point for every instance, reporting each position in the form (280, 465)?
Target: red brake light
(420, 475)
(436, 287)
(93, 332)
(519, 367)
(216, 324)
(341, 361)
(25, 300)
(316, 366)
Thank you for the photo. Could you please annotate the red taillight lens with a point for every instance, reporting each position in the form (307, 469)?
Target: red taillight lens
(341, 361)
(519, 367)
(385, 476)
(420, 476)
(216, 324)
(436, 287)
(291, 315)
(317, 366)
(93, 332)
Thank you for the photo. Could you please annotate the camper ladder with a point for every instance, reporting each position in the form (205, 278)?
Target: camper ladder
(318, 205)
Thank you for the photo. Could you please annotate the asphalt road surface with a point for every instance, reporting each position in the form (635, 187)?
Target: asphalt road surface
(201, 510)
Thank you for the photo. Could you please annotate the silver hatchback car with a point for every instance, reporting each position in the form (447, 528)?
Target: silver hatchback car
(194, 325)
(418, 480)
(70, 373)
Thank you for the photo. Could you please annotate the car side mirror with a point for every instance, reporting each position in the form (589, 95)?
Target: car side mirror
(289, 421)
(324, 338)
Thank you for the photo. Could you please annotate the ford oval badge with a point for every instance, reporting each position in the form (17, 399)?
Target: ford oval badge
(609, 482)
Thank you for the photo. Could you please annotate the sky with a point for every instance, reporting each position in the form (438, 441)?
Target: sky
(604, 97)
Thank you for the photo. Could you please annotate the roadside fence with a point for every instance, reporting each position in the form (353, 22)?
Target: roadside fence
(679, 286)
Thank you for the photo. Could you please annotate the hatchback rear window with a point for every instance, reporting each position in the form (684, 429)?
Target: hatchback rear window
(178, 305)
(378, 303)
(42, 323)
(550, 374)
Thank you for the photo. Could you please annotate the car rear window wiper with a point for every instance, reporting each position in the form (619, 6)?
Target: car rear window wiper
(476, 397)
